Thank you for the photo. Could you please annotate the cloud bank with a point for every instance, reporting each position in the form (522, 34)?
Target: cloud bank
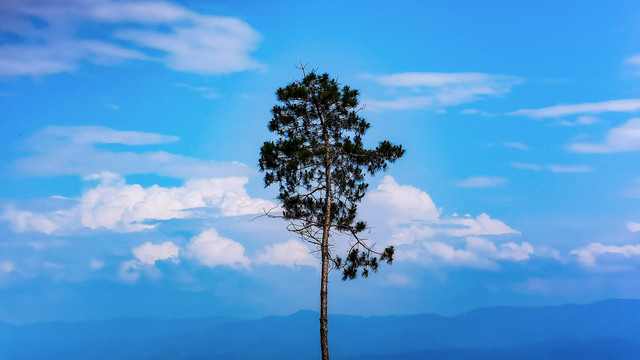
(115, 205)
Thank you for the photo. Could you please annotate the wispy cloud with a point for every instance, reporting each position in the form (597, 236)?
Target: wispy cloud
(619, 139)
(482, 182)
(516, 145)
(553, 168)
(570, 169)
(190, 42)
(626, 105)
(74, 150)
(581, 120)
(206, 92)
(436, 90)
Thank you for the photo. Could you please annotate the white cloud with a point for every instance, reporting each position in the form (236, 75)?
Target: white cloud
(405, 200)
(421, 219)
(182, 39)
(588, 255)
(633, 226)
(23, 221)
(625, 105)
(461, 257)
(291, 253)
(149, 253)
(478, 253)
(146, 256)
(515, 252)
(482, 182)
(619, 139)
(72, 150)
(516, 145)
(211, 249)
(115, 205)
(434, 90)
(482, 224)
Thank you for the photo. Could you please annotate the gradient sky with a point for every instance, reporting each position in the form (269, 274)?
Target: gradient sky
(130, 134)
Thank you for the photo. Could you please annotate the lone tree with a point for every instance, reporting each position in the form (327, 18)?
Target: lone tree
(319, 163)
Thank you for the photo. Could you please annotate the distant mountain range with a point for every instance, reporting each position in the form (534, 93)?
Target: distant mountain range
(605, 330)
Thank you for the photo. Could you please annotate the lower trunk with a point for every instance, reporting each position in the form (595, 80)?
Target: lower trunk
(324, 280)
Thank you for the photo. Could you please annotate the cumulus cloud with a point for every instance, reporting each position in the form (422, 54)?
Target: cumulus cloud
(478, 253)
(436, 90)
(625, 137)
(212, 249)
(588, 255)
(482, 182)
(114, 205)
(405, 200)
(625, 105)
(158, 31)
(149, 253)
(146, 256)
(291, 253)
(75, 150)
(420, 219)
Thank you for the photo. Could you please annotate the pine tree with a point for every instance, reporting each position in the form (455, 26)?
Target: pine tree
(320, 163)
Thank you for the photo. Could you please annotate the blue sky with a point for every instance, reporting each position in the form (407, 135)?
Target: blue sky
(131, 130)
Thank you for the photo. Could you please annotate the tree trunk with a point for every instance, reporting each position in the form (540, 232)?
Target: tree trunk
(324, 279)
(324, 282)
